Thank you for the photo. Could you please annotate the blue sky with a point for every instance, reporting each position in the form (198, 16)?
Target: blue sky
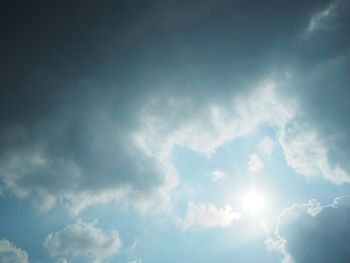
(174, 131)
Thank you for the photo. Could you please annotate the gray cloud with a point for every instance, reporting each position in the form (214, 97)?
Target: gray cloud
(322, 20)
(307, 153)
(92, 155)
(77, 152)
(89, 121)
(9, 253)
(83, 240)
(314, 233)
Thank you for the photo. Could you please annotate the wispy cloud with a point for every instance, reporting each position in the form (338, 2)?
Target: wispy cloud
(266, 146)
(255, 164)
(217, 175)
(324, 19)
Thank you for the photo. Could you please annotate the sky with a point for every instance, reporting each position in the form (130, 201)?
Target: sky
(174, 131)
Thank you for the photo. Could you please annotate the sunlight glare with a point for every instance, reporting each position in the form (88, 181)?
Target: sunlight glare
(253, 203)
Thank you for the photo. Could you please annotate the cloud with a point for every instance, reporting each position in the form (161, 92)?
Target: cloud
(71, 136)
(83, 139)
(308, 154)
(321, 20)
(206, 215)
(328, 25)
(217, 175)
(313, 233)
(210, 125)
(80, 159)
(96, 156)
(9, 253)
(266, 146)
(81, 240)
(135, 261)
(255, 163)
(95, 120)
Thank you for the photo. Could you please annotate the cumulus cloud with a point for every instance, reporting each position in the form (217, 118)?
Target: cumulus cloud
(81, 240)
(9, 253)
(266, 146)
(217, 175)
(255, 163)
(313, 233)
(210, 126)
(308, 154)
(206, 215)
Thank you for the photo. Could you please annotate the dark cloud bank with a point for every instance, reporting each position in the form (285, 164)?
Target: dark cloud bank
(77, 75)
(315, 233)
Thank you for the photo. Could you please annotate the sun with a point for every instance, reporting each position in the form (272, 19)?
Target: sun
(253, 203)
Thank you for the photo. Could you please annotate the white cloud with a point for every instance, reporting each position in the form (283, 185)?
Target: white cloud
(217, 175)
(279, 245)
(307, 154)
(62, 260)
(266, 146)
(304, 229)
(203, 215)
(83, 240)
(135, 261)
(209, 126)
(255, 163)
(9, 253)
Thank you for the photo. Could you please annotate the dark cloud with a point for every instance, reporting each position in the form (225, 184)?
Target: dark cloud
(314, 233)
(77, 76)
(82, 148)
(94, 95)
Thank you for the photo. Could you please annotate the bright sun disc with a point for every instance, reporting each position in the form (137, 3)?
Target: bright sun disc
(253, 203)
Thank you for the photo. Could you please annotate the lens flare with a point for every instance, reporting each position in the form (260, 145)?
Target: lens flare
(253, 203)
